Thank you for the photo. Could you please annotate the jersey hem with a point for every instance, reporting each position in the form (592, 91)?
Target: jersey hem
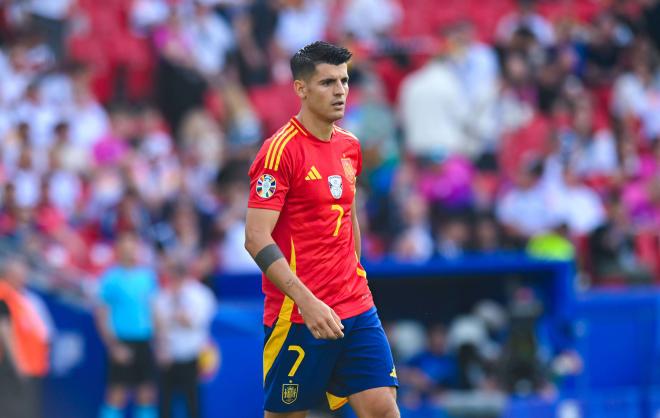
(345, 315)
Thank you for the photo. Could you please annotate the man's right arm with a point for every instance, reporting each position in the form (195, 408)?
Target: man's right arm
(321, 320)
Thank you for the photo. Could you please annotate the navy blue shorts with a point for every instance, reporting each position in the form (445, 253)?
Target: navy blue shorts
(300, 371)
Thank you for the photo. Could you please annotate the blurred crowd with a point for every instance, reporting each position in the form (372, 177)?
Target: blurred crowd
(472, 363)
(485, 126)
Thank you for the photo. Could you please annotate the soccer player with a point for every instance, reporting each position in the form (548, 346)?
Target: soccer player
(323, 336)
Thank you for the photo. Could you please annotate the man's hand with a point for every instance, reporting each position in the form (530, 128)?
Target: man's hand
(120, 353)
(321, 320)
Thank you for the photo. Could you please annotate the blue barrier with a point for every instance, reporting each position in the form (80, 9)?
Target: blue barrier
(618, 338)
(618, 403)
(555, 279)
(236, 390)
(532, 407)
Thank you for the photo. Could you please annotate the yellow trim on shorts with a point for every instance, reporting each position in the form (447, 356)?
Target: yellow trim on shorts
(335, 402)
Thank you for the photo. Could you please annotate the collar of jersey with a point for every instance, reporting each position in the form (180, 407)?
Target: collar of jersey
(299, 126)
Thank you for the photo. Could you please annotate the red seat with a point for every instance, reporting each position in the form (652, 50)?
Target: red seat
(519, 147)
(647, 248)
(274, 104)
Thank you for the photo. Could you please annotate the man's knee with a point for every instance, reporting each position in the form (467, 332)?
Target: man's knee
(387, 409)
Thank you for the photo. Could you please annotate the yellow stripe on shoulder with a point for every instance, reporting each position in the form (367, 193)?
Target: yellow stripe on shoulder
(276, 138)
(347, 133)
(281, 150)
(295, 122)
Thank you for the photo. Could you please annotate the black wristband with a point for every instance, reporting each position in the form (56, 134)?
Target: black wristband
(267, 256)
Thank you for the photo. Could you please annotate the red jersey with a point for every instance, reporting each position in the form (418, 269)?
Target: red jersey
(312, 184)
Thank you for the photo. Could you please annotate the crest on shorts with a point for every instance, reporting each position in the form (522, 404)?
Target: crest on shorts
(289, 393)
(266, 186)
(336, 187)
(349, 171)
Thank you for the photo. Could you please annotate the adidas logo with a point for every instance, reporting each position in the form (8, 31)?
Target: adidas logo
(313, 174)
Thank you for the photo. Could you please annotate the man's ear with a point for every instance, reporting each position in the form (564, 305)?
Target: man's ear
(300, 87)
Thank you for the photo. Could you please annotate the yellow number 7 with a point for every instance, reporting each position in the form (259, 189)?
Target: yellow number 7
(301, 355)
(341, 215)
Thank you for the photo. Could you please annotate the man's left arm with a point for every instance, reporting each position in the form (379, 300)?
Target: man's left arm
(356, 229)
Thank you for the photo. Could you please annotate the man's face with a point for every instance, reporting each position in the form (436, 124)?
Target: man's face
(324, 92)
(127, 249)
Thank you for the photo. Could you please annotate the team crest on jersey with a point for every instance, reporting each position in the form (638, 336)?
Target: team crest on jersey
(266, 186)
(289, 393)
(349, 171)
(336, 187)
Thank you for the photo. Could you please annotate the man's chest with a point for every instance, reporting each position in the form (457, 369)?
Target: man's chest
(326, 178)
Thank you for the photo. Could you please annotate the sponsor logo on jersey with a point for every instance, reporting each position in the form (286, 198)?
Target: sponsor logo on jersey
(266, 186)
(289, 393)
(336, 187)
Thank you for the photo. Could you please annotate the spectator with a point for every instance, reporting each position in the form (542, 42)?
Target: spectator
(210, 38)
(434, 112)
(475, 65)
(530, 207)
(486, 235)
(552, 245)
(124, 321)
(635, 92)
(612, 248)
(429, 374)
(50, 18)
(604, 49)
(25, 333)
(369, 21)
(526, 17)
(453, 235)
(300, 22)
(415, 242)
(184, 312)
(522, 370)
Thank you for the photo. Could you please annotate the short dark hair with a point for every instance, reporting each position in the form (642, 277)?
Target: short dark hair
(304, 62)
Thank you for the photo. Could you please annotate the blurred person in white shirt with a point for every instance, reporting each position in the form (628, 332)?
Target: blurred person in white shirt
(300, 22)
(434, 112)
(530, 207)
(184, 311)
(210, 36)
(87, 118)
(368, 20)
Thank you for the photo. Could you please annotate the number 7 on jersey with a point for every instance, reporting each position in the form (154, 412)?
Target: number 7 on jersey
(339, 216)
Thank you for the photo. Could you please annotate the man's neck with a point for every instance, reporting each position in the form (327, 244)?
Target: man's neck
(320, 129)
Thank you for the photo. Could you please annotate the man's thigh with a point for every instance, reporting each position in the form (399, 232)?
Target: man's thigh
(297, 368)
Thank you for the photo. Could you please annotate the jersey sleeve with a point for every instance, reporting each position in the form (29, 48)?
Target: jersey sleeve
(270, 177)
